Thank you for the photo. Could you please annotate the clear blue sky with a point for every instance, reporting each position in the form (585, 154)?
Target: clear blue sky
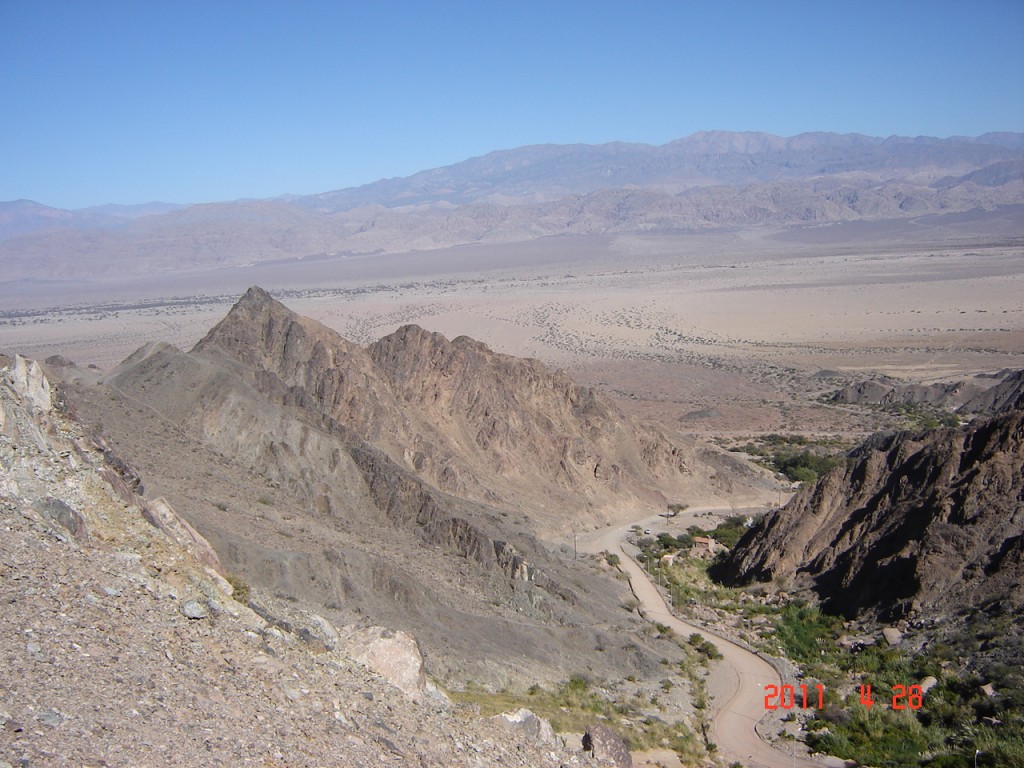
(183, 101)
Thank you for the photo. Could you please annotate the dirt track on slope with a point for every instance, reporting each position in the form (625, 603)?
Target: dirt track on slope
(741, 675)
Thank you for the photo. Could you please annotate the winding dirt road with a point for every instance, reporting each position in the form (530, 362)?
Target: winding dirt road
(743, 674)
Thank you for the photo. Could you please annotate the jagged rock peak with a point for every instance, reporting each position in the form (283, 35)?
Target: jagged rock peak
(27, 379)
(472, 422)
(263, 333)
(414, 337)
(257, 303)
(257, 295)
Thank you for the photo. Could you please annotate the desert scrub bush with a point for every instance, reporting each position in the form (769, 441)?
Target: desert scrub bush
(804, 466)
(240, 588)
(705, 648)
(921, 415)
(878, 737)
(576, 703)
(612, 559)
(726, 533)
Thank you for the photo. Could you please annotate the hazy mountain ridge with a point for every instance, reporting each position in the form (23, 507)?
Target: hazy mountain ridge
(713, 179)
(547, 172)
(20, 217)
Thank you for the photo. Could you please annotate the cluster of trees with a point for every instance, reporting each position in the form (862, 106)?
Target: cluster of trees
(803, 467)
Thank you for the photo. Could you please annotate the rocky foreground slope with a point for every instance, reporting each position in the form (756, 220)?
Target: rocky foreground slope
(919, 525)
(122, 644)
(403, 484)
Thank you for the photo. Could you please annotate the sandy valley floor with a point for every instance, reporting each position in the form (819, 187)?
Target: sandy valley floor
(717, 333)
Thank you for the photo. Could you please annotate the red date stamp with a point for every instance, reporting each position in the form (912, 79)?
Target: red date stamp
(788, 697)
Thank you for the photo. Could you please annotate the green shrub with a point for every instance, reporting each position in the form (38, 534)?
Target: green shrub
(804, 631)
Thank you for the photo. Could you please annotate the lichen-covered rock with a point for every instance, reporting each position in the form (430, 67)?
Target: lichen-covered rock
(64, 515)
(194, 609)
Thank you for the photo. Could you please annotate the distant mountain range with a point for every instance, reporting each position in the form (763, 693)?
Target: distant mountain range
(707, 180)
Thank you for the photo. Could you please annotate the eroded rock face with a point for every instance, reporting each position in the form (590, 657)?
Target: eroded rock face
(160, 514)
(27, 378)
(923, 522)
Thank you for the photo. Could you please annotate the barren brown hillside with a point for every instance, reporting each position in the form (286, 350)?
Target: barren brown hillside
(370, 481)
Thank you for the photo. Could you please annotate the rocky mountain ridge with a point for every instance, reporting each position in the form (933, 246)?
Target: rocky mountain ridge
(918, 525)
(708, 180)
(472, 422)
(403, 483)
(124, 645)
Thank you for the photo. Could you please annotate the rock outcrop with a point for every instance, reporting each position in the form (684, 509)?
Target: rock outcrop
(534, 729)
(914, 523)
(395, 656)
(607, 747)
(1006, 395)
(979, 395)
(26, 376)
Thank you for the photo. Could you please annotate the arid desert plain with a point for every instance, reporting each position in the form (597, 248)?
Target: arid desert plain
(723, 333)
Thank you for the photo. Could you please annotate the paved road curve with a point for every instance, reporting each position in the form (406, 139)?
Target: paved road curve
(733, 726)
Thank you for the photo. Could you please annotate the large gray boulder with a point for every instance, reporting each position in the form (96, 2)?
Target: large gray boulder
(532, 728)
(607, 747)
(394, 655)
